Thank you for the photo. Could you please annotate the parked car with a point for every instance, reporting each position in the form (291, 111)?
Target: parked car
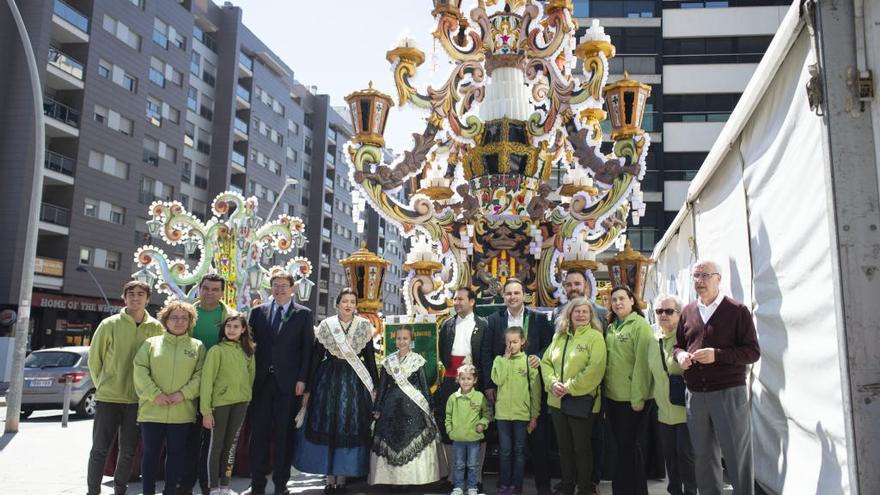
(45, 374)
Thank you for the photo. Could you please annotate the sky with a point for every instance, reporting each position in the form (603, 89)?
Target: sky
(340, 45)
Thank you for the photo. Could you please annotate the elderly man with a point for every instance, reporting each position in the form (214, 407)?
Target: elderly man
(672, 417)
(715, 342)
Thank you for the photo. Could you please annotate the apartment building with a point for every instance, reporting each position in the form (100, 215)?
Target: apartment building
(158, 99)
(698, 57)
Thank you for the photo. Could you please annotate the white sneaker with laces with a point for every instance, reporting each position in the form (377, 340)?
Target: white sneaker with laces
(457, 491)
(472, 491)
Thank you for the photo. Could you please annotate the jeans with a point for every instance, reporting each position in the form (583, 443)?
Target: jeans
(466, 455)
(512, 458)
(112, 419)
(173, 436)
(196, 457)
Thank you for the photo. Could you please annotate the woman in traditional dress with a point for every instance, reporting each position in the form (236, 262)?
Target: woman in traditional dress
(334, 423)
(405, 439)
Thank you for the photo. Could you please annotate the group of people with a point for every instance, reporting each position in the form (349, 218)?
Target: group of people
(316, 399)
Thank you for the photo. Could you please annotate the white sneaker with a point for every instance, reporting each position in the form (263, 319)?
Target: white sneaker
(457, 491)
(225, 490)
(217, 491)
(472, 491)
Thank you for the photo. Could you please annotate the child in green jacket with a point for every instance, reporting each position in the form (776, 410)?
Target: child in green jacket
(467, 417)
(227, 381)
(516, 410)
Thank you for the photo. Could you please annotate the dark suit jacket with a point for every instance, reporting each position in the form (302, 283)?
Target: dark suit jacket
(447, 337)
(540, 334)
(288, 353)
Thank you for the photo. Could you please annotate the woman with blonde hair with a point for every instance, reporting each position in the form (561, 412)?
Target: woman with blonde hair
(573, 367)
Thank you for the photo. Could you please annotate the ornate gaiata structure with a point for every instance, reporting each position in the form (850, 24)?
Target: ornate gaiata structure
(510, 121)
(235, 243)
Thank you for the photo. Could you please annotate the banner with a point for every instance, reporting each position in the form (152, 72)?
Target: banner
(425, 343)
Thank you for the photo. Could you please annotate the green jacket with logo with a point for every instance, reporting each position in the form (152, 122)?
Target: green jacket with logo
(113, 347)
(463, 413)
(167, 364)
(519, 391)
(584, 368)
(628, 378)
(227, 377)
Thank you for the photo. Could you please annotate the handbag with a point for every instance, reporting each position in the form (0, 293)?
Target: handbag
(579, 406)
(676, 382)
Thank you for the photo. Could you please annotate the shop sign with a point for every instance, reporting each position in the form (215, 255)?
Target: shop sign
(73, 303)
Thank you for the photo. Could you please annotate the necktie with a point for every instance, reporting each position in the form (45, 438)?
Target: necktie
(276, 320)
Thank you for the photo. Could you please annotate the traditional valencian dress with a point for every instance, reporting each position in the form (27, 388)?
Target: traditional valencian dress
(405, 439)
(334, 438)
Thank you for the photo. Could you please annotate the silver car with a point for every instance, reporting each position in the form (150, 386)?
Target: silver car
(45, 373)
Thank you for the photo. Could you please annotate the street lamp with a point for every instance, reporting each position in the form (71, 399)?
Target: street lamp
(81, 268)
(289, 182)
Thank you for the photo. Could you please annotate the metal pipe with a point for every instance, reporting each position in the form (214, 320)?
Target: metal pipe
(100, 288)
(65, 408)
(26, 287)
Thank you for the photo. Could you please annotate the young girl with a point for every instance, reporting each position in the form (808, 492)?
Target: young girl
(405, 439)
(516, 409)
(227, 379)
(467, 417)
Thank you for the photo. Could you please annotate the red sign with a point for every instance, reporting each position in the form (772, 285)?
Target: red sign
(75, 303)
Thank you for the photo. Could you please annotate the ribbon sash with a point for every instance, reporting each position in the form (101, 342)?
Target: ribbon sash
(350, 356)
(392, 365)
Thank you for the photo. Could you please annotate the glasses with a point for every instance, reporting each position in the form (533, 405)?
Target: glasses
(281, 286)
(178, 318)
(703, 276)
(664, 311)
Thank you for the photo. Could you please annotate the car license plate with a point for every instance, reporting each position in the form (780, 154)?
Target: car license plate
(40, 383)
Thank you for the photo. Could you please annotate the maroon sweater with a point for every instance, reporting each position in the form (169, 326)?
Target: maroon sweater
(731, 332)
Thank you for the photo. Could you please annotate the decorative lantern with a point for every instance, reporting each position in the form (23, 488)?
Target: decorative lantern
(304, 288)
(366, 273)
(154, 225)
(190, 244)
(626, 101)
(630, 268)
(369, 114)
(145, 275)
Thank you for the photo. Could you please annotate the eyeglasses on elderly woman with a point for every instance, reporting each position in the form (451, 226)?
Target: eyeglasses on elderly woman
(664, 311)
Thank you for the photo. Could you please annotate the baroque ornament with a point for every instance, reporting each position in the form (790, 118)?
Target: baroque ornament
(507, 178)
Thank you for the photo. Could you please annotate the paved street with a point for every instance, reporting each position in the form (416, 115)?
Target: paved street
(46, 459)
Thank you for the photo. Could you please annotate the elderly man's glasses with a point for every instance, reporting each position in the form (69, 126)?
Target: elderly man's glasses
(664, 311)
(703, 276)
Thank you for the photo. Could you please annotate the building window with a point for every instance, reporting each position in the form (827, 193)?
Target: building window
(160, 33)
(189, 134)
(195, 63)
(85, 255)
(206, 39)
(104, 68)
(118, 75)
(192, 99)
(201, 177)
(122, 32)
(108, 164)
(307, 145)
(186, 171)
(154, 111)
(91, 208)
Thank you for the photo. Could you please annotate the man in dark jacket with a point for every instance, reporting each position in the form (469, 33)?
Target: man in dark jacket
(284, 334)
(539, 334)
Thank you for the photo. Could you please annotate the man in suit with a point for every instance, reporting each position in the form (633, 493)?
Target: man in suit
(284, 334)
(539, 333)
(459, 337)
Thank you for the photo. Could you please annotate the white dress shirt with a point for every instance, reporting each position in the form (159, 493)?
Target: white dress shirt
(516, 321)
(706, 311)
(464, 330)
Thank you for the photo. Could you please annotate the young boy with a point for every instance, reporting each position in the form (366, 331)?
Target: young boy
(467, 417)
(114, 345)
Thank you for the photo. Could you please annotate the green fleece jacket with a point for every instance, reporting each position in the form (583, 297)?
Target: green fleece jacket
(168, 364)
(463, 413)
(584, 368)
(114, 345)
(667, 412)
(519, 392)
(627, 377)
(227, 377)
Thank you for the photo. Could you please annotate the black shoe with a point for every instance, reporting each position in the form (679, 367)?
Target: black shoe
(341, 489)
(479, 487)
(329, 488)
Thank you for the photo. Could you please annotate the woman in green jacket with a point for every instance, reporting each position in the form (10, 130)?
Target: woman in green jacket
(167, 369)
(573, 366)
(225, 392)
(627, 387)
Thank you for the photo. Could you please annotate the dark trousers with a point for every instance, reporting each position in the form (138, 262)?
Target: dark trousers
(512, 454)
(679, 456)
(195, 468)
(222, 442)
(539, 446)
(574, 436)
(598, 446)
(173, 437)
(112, 420)
(271, 416)
(629, 465)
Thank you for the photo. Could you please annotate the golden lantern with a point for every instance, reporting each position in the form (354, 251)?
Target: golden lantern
(626, 100)
(369, 114)
(630, 268)
(366, 273)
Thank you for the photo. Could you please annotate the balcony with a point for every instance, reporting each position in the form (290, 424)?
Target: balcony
(64, 72)
(48, 273)
(239, 162)
(242, 98)
(63, 120)
(328, 183)
(245, 65)
(240, 129)
(54, 219)
(325, 233)
(328, 209)
(69, 25)
(237, 189)
(59, 169)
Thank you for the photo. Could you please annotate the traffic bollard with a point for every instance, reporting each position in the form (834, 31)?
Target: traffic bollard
(65, 411)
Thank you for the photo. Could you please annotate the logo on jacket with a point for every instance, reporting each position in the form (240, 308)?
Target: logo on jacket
(190, 353)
